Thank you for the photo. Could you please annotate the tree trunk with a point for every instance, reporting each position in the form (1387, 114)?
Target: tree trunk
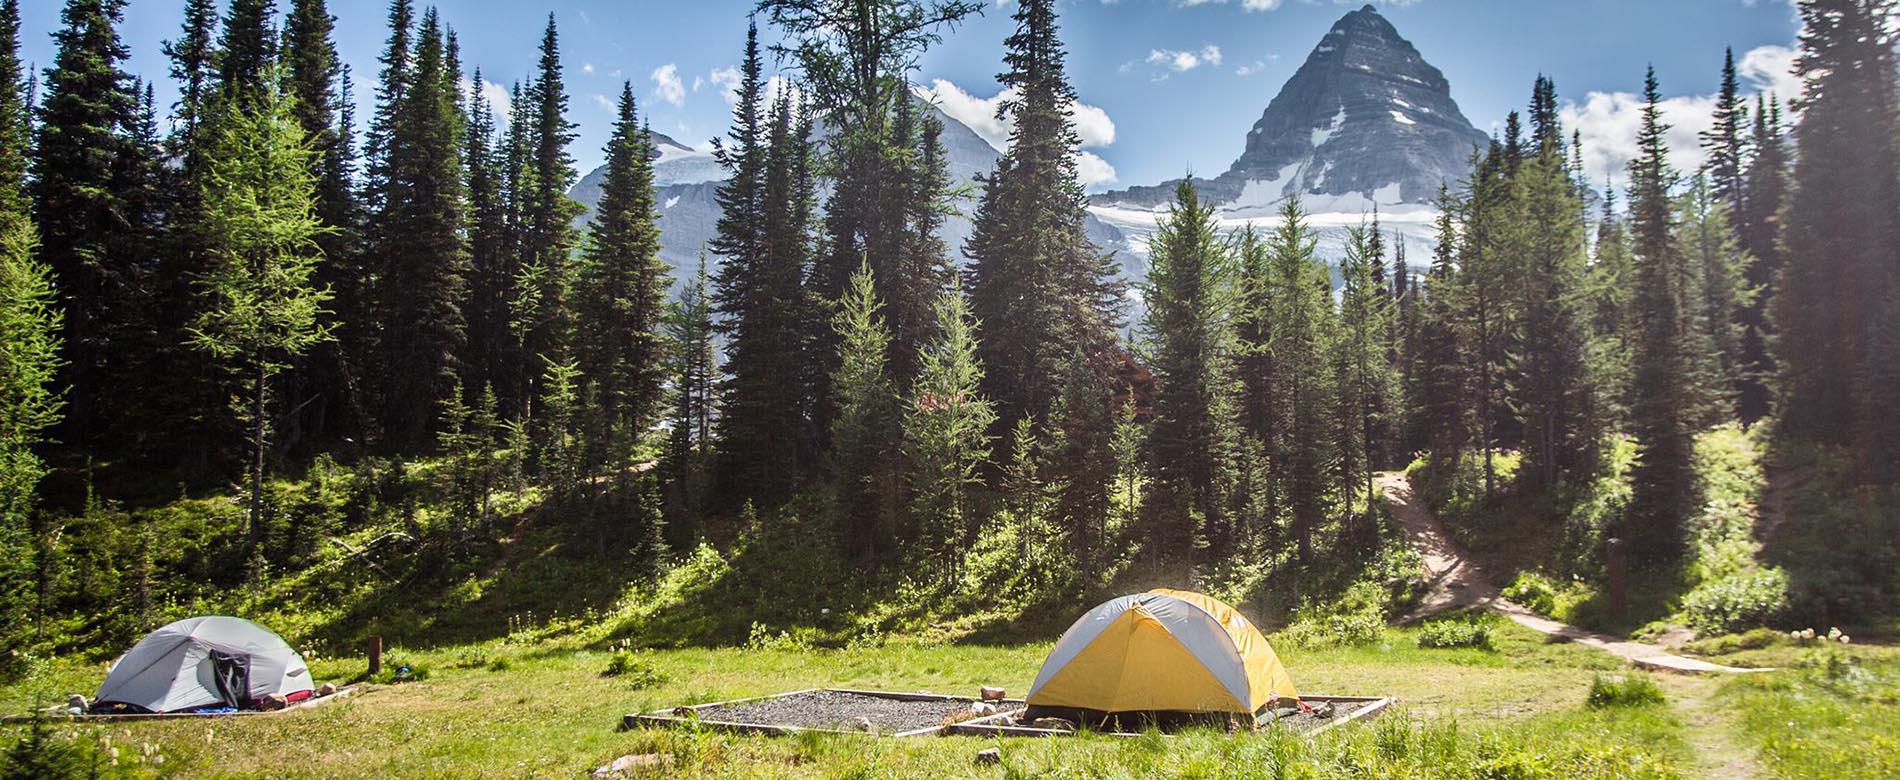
(255, 520)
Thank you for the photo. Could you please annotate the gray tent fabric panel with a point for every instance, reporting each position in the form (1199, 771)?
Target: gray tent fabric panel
(171, 669)
(1203, 636)
(1083, 631)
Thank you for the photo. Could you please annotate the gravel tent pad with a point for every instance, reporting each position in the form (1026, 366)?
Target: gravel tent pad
(825, 709)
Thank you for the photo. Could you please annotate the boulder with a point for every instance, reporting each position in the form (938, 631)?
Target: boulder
(326, 689)
(271, 702)
(991, 693)
(625, 766)
(1053, 724)
(989, 756)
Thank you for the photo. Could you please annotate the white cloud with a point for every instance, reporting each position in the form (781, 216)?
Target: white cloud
(1092, 124)
(1183, 61)
(588, 69)
(1609, 121)
(605, 103)
(1251, 5)
(1093, 171)
(1251, 68)
(1093, 128)
(1771, 69)
(496, 95)
(667, 85)
(728, 80)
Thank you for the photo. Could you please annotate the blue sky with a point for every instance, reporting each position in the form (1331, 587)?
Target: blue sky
(1169, 85)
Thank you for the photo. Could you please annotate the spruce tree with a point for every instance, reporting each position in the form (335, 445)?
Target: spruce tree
(1300, 320)
(1663, 481)
(417, 237)
(1440, 387)
(1554, 386)
(863, 433)
(1765, 190)
(259, 199)
(80, 149)
(1838, 233)
(193, 56)
(1722, 142)
(1033, 277)
(492, 265)
(1362, 346)
(1192, 439)
(548, 236)
(619, 295)
(15, 128)
(693, 365)
(946, 438)
(247, 50)
(1718, 297)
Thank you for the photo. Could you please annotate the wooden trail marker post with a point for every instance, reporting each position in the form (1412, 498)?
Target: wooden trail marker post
(375, 649)
(1618, 575)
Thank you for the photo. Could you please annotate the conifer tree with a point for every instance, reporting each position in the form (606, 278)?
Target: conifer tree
(1554, 387)
(1663, 480)
(1718, 297)
(620, 294)
(1489, 273)
(259, 200)
(548, 235)
(1838, 233)
(946, 437)
(492, 266)
(193, 56)
(1361, 347)
(1765, 189)
(1191, 441)
(1033, 277)
(1304, 429)
(247, 50)
(30, 402)
(417, 237)
(864, 444)
(1440, 389)
(693, 366)
(1612, 319)
(1722, 142)
(80, 150)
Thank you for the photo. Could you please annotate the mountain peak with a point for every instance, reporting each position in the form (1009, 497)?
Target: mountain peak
(1365, 121)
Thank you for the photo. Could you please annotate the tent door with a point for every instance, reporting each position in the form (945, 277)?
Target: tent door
(233, 675)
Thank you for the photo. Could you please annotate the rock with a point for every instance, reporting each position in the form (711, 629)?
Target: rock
(1364, 114)
(326, 689)
(989, 756)
(991, 693)
(983, 708)
(624, 766)
(1052, 724)
(865, 725)
(271, 702)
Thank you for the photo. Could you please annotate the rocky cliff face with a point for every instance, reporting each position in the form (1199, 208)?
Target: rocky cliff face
(1365, 121)
(685, 181)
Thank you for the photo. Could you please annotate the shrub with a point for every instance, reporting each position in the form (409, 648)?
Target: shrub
(1632, 690)
(762, 638)
(1534, 591)
(1356, 618)
(1455, 633)
(400, 670)
(1737, 602)
(1753, 639)
(634, 668)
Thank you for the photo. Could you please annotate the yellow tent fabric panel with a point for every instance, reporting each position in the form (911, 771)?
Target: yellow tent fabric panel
(1136, 665)
(1267, 678)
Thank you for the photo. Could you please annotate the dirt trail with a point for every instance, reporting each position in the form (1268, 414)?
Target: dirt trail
(1721, 751)
(1457, 581)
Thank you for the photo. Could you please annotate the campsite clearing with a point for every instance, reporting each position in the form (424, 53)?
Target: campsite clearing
(546, 710)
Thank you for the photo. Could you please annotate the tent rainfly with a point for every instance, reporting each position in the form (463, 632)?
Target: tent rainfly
(205, 662)
(1163, 651)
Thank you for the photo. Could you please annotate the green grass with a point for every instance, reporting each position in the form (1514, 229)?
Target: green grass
(547, 710)
(1835, 715)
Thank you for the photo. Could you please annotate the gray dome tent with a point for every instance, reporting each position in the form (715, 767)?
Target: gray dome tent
(205, 662)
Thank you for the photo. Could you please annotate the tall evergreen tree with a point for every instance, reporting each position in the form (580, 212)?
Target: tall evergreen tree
(193, 56)
(15, 128)
(1034, 279)
(1440, 384)
(619, 295)
(1722, 143)
(247, 50)
(1191, 442)
(1553, 384)
(1765, 190)
(1362, 349)
(864, 440)
(1839, 233)
(693, 365)
(259, 202)
(1299, 324)
(1663, 480)
(946, 437)
(417, 240)
(492, 266)
(548, 236)
(1718, 296)
(80, 152)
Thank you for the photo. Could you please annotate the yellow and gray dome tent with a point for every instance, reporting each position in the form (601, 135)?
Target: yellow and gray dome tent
(1161, 651)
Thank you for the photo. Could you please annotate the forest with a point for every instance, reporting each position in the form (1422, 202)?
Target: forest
(256, 362)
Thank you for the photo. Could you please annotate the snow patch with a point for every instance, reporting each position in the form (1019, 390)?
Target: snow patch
(1401, 118)
(1320, 134)
(671, 202)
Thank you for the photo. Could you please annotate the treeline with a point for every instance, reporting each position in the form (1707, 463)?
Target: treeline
(255, 289)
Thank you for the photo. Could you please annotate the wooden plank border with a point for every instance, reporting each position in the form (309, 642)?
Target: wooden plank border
(133, 717)
(1362, 708)
(687, 716)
